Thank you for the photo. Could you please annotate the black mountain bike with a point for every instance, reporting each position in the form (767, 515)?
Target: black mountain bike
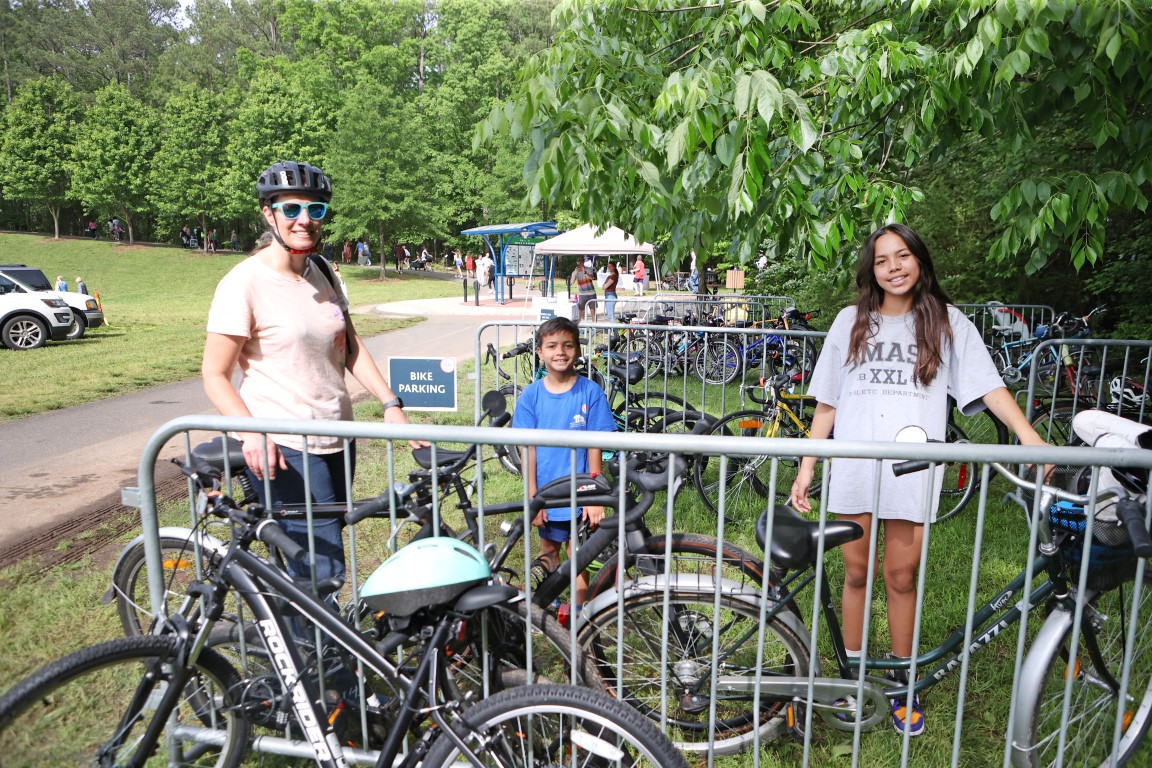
(167, 698)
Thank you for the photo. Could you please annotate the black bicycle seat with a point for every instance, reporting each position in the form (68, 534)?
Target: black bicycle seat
(587, 485)
(214, 451)
(794, 539)
(444, 457)
(631, 373)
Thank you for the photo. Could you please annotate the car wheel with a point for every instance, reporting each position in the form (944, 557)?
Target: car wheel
(78, 328)
(24, 332)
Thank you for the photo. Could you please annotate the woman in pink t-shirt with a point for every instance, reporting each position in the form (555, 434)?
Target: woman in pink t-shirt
(280, 316)
(638, 275)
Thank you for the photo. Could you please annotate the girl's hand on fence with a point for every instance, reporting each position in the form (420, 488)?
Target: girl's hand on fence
(800, 487)
(255, 444)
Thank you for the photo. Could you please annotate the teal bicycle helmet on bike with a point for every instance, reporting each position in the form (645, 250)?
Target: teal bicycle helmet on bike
(424, 573)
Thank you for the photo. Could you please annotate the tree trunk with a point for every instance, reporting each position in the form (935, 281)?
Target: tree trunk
(383, 254)
(55, 211)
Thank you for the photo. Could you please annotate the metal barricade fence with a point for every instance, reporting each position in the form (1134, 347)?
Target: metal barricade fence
(729, 665)
(731, 308)
(1065, 376)
(668, 355)
(999, 322)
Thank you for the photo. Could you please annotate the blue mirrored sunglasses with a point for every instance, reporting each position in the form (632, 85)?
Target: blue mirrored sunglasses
(316, 211)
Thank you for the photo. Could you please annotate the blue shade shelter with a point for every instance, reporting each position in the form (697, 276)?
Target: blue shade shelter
(512, 246)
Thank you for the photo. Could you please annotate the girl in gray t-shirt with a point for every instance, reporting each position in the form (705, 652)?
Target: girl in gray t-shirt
(889, 362)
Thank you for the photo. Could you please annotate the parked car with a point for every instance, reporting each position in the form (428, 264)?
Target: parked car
(27, 320)
(85, 311)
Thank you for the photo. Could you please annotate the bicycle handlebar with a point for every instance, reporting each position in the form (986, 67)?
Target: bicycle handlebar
(273, 535)
(776, 383)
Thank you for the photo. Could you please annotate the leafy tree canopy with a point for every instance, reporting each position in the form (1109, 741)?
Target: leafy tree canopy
(796, 126)
(36, 144)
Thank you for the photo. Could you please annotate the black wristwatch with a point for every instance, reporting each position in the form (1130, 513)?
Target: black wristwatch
(393, 403)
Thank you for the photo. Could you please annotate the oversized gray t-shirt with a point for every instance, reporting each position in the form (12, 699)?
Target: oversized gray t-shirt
(878, 398)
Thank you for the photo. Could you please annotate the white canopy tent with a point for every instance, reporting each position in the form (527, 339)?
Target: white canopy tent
(613, 241)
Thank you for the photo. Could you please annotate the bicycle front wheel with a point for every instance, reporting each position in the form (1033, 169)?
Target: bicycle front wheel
(1091, 681)
(554, 725)
(93, 707)
(718, 361)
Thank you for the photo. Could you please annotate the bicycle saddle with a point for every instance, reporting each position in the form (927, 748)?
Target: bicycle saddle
(214, 451)
(587, 485)
(444, 457)
(794, 538)
(632, 373)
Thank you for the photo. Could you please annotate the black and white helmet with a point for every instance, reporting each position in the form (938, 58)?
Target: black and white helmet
(288, 176)
(1127, 391)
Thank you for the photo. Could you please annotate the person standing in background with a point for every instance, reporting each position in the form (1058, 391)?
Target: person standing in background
(81, 286)
(61, 283)
(610, 281)
(639, 273)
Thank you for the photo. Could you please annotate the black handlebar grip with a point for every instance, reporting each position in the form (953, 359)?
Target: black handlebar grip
(908, 467)
(1131, 515)
(273, 535)
(361, 510)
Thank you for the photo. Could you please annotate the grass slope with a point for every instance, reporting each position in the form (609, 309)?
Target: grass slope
(155, 300)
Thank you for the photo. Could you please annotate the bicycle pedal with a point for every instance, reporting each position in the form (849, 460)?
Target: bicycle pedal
(794, 720)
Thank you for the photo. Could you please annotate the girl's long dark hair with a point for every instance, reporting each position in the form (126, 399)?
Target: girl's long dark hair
(929, 305)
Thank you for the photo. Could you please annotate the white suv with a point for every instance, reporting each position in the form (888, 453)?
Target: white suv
(85, 311)
(27, 320)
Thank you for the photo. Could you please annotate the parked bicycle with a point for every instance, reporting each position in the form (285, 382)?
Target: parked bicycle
(170, 694)
(751, 659)
(746, 480)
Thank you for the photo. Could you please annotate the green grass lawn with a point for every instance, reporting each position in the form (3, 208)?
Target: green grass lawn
(155, 300)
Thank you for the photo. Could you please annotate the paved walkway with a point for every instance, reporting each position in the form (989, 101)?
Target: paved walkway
(58, 465)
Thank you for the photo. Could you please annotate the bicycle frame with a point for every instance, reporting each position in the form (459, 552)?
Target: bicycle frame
(261, 586)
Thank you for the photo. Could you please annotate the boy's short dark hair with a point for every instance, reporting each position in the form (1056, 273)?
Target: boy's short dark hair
(557, 325)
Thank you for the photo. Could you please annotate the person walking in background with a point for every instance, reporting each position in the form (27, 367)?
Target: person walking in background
(639, 273)
(279, 317)
(610, 282)
(346, 253)
(561, 400)
(458, 261)
(585, 289)
(81, 286)
(93, 230)
(233, 242)
(213, 240)
(185, 236)
(470, 264)
(117, 230)
(363, 254)
(904, 333)
(61, 283)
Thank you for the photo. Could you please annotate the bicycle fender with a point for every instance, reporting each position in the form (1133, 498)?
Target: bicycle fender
(207, 541)
(1032, 673)
(697, 584)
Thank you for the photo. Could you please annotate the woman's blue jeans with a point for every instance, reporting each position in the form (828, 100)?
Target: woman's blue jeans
(326, 479)
(610, 305)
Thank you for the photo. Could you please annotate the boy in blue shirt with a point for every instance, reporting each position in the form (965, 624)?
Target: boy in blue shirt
(561, 400)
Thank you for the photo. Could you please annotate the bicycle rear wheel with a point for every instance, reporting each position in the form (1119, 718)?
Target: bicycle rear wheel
(678, 646)
(718, 361)
(1092, 682)
(92, 708)
(746, 479)
(130, 582)
(554, 725)
(961, 479)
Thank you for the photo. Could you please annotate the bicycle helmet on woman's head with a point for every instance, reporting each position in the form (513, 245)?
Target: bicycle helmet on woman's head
(287, 176)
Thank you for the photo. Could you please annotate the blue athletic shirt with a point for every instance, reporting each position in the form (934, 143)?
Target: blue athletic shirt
(583, 407)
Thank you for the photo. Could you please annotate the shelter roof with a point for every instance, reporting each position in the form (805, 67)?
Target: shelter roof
(585, 241)
(533, 228)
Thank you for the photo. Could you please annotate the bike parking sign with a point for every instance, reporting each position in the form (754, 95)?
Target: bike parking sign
(424, 383)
